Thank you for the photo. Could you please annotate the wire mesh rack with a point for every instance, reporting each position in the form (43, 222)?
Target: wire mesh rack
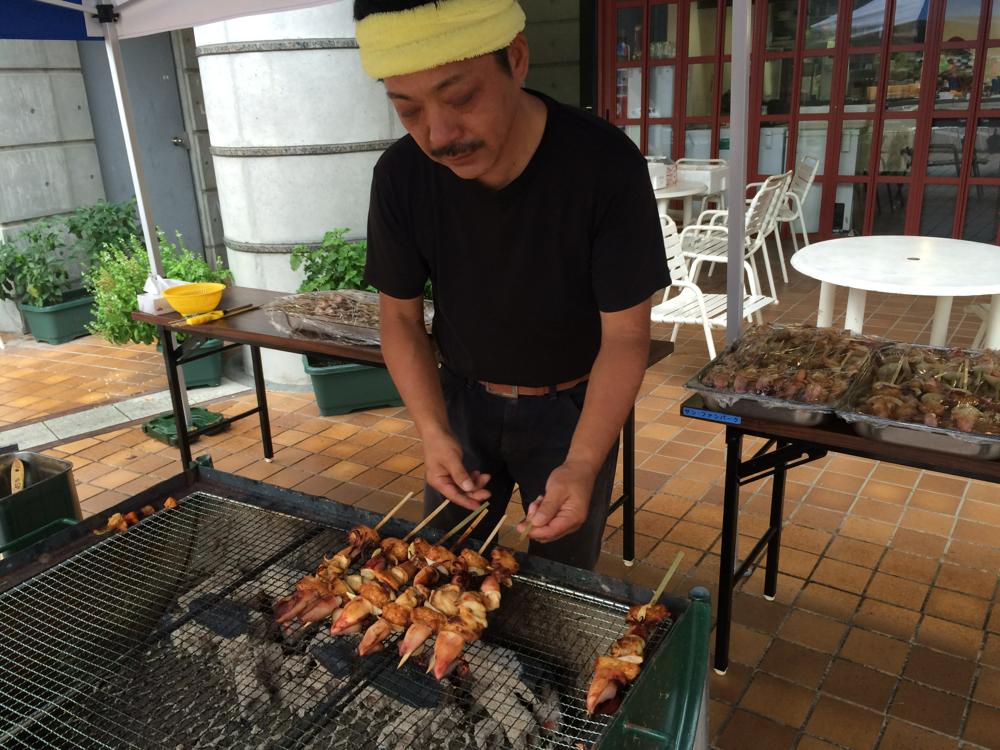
(163, 637)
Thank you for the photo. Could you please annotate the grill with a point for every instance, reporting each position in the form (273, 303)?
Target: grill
(163, 637)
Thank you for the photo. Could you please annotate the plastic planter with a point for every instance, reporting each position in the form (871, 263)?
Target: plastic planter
(62, 322)
(341, 388)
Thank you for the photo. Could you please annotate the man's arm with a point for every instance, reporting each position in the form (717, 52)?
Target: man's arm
(410, 358)
(614, 383)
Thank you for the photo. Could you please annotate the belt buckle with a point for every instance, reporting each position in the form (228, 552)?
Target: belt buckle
(497, 392)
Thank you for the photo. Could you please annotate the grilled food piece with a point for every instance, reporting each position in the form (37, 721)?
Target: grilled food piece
(396, 616)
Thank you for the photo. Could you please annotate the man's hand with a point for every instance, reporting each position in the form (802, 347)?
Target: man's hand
(563, 508)
(446, 473)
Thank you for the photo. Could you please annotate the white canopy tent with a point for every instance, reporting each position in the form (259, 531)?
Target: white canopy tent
(117, 19)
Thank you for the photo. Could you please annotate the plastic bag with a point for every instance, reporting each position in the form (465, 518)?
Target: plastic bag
(346, 316)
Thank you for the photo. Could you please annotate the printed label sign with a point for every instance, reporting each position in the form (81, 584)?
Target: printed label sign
(711, 416)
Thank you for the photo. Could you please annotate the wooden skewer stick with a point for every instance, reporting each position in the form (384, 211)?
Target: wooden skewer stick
(462, 524)
(392, 512)
(426, 521)
(666, 578)
(468, 532)
(496, 530)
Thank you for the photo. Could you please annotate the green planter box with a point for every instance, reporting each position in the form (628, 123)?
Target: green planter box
(343, 388)
(205, 371)
(47, 501)
(65, 321)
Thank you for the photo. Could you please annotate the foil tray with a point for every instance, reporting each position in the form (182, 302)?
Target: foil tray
(927, 438)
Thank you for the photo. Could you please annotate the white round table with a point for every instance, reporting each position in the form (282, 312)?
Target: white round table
(679, 190)
(923, 266)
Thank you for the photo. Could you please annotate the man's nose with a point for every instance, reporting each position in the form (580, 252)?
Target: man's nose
(443, 128)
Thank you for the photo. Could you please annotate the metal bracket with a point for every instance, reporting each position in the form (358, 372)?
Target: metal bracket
(786, 457)
(106, 13)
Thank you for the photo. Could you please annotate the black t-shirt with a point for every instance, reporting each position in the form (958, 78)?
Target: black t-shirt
(521, 275)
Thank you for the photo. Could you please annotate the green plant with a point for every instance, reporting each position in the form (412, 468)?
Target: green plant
(33, 267)
(336, 264)
(118, 278)
(103, 224)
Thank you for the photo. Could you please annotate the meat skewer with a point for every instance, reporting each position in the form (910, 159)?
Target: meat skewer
(623, 662)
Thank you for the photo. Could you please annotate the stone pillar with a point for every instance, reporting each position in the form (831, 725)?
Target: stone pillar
(296, 127)
(48, 159)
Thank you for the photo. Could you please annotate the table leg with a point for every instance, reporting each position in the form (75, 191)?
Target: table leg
(628, 489)
(727, 563)
(993, 325)
(265, 419)
(855, 318)
(942, 315)
(176, 397)
(662, 205)
(688, 201)
(777, 518)
(827, 296)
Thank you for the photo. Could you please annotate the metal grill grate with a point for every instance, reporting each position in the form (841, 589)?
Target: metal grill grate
(163, 637)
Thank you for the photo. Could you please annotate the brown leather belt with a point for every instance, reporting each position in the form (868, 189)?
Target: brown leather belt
(514, 391)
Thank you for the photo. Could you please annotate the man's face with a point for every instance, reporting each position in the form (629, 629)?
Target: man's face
(460, 114)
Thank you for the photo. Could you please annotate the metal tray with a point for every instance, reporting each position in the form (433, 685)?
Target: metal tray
(755, 406)
(928, 438)
(940, 439)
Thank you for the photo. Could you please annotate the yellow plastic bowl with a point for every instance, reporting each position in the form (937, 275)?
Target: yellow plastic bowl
(194, 299)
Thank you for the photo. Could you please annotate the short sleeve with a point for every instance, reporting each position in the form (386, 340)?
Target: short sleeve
(394, 264)
(628, 263)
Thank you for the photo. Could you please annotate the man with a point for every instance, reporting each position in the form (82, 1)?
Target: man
(537, 227)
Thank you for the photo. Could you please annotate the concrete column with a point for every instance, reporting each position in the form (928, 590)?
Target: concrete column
(296, 127)
(47, 155)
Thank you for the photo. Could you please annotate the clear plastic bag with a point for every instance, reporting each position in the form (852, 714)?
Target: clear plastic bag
(345, 316)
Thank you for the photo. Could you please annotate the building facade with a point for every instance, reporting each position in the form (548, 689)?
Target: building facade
(898, 100)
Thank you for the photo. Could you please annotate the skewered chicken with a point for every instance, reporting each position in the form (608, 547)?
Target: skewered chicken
(623, 661)
(396, 617)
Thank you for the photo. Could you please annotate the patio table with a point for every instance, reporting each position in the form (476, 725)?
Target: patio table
(787, 446)
(255, 330)
(921, 266)
(680, 190)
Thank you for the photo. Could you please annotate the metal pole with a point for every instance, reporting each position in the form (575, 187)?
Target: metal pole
(106, 16)
(737, 166)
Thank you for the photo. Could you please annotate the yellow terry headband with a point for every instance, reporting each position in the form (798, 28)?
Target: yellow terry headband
(421, 38)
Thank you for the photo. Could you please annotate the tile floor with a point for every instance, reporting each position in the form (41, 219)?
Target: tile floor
(38, 381)
(886, 629)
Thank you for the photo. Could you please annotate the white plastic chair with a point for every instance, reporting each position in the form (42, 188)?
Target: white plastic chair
(791, 208)
(980, 310)
(708, 240)
(689, 305)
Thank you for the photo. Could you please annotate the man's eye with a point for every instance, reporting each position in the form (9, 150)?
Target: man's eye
(409, 114)
(463, 100)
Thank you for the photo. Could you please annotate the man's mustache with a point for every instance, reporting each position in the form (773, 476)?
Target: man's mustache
(458, 148)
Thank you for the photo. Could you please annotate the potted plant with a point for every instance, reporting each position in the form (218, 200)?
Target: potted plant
(34, 273)
(341, 387)
(118, 278)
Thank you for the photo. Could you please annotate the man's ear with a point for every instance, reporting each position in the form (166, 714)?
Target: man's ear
(518, 56)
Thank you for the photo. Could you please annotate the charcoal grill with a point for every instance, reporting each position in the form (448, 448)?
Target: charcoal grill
(162, 637)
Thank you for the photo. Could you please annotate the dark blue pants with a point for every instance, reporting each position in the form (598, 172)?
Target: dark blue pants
(520, 441)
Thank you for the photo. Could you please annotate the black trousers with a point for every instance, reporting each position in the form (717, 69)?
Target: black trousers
(520, 441)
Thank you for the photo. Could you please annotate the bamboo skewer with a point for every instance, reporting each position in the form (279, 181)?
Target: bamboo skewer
(461, 524)
(666, 578)
(392, 512)
(426, 521)
(496, 530)
(468, 532)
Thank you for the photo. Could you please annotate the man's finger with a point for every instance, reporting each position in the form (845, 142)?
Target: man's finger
(558, 527)
(546, 508)
(455, 495)
(460, 476)
(526, 524)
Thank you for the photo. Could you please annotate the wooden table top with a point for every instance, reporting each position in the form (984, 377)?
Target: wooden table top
(254, 328)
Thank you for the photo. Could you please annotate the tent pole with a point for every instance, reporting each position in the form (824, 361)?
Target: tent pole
(736, 197)
(124, 102)
(106, 16)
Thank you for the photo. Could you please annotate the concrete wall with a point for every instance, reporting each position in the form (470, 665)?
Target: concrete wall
(553, 32)
(48, 158)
